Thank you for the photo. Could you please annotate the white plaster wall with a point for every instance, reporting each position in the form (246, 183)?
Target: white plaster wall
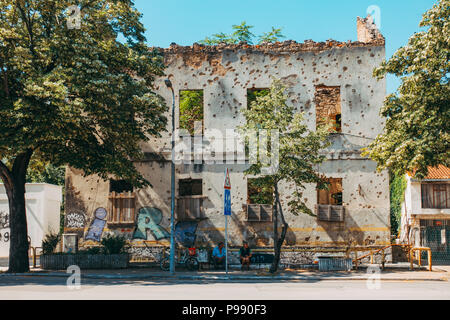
(43, 202)
(413, 195)
(225, 77)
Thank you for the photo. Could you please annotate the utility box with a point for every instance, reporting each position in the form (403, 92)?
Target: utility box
(335, 264)
(43, 208)
(70, 242)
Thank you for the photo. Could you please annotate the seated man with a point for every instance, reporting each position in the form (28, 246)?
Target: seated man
(218, 255)
(245, 255)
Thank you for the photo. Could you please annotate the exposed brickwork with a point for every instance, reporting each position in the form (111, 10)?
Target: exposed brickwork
(328, 103)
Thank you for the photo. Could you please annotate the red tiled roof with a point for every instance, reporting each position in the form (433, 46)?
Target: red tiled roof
(439, 172)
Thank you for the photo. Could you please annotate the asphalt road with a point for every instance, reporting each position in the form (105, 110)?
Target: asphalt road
(55, 288)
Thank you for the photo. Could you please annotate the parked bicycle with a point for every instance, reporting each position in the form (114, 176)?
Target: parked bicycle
(188, 258)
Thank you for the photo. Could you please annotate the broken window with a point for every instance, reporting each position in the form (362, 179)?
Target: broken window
(328, 107)
(259, 191)
(259, 200)
(190, 187)
(191, 109)
(120, 186)
(122, 203)
(190, 200)
(252, 95)
(329, 201)
(332, 195)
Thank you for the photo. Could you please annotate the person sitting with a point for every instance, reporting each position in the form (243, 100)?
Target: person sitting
(218, 255)
(245, 254)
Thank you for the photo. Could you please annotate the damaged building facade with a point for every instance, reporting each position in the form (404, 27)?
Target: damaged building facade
(331, 80)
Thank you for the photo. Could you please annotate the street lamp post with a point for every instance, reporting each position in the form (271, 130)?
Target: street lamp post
(172, 184)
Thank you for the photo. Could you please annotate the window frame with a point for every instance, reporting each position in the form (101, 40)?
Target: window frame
(437, 190)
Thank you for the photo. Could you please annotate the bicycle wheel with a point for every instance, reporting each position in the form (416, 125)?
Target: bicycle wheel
(192, 264)
(165, 264)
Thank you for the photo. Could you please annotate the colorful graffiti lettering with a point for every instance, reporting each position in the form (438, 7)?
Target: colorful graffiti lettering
(96, 229)
(185, 233)
(149, 219)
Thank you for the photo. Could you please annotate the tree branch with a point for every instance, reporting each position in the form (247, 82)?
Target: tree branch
(29, 28)
(6, 176)
(19, 169)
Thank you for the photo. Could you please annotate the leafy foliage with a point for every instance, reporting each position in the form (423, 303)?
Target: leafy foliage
(113, 244)
(242, 33)
(271, 36)
(50, 242)
(418, 116)
(191, 109)
(298, 147)
(260, 191)
(73, 96)
(77, 96)
(91, 250)
(299, 155)
(397, 189)
(252, 94)
(46, 173)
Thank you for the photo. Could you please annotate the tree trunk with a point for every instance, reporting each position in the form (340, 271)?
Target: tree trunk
(278, 241)
(14, 181)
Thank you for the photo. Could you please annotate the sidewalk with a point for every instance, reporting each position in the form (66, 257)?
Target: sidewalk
(439, 273)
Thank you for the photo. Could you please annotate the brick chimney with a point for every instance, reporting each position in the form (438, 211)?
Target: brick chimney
(367, 30)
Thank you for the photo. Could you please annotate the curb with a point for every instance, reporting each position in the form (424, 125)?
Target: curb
(211, 277)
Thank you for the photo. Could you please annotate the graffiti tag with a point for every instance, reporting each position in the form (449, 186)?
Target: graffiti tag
(4, 220)
(75, 220)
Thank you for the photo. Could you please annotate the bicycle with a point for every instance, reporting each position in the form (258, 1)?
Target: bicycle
(187, 257)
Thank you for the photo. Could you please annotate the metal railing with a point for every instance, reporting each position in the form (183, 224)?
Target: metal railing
(35, 255)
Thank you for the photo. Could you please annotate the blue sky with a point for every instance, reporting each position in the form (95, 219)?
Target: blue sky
(187, 21)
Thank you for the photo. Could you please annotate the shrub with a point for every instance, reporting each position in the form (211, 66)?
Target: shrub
(113, 244)
(91, 250)
(50, 242)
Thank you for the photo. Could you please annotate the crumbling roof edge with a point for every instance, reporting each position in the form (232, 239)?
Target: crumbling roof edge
(288, 46)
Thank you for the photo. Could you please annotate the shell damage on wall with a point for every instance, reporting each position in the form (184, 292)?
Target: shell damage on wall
(326, 78)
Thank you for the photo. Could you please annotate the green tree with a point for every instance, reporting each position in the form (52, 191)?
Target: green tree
(242, 33)
(72, 96)
(44, 172)
(272, 36)
(299, 155)
(418, 116)
(397, 186)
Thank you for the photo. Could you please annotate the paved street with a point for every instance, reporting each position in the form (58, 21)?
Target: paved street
(22, 287)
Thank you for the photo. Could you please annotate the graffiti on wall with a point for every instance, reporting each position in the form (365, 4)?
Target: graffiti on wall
(149, 219)
(4, 220)
(75, 220)
(185, 233)
(4, 226)
(96, 229)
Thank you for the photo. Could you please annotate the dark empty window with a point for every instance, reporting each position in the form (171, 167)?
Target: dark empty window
(120, 186)
(190, 187)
